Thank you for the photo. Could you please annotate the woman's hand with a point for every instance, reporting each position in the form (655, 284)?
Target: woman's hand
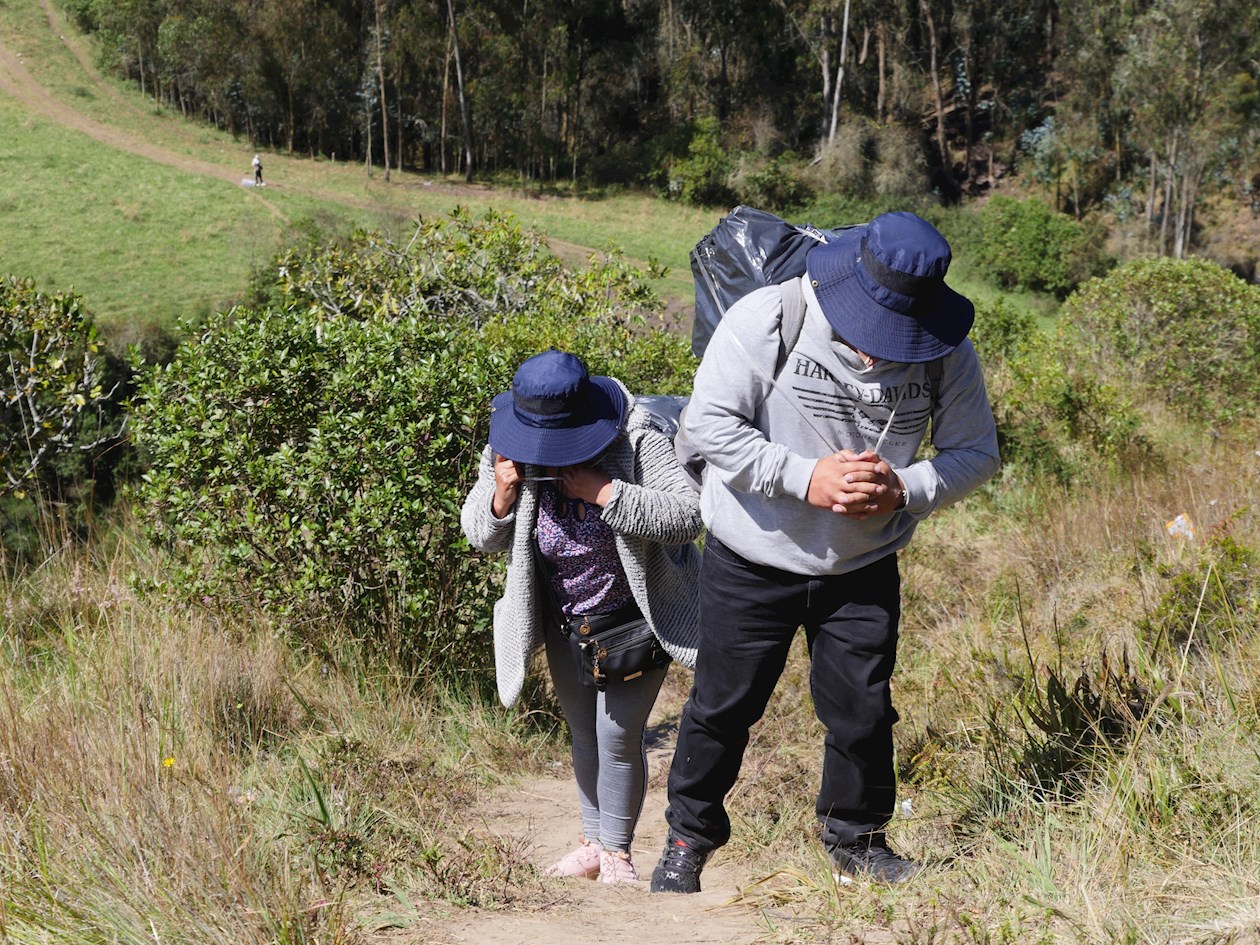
(507, 486)
(586, 483)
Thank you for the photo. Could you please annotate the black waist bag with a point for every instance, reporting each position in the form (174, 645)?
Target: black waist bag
(617, 647)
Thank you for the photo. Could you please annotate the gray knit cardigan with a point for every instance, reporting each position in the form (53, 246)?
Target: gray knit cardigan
(654, 514)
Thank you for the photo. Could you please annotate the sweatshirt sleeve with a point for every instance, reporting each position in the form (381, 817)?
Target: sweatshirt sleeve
(484, 531)
(964, 435)
(733, 380)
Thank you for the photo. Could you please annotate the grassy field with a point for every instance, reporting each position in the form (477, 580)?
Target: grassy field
(143, 213)
(169, 231)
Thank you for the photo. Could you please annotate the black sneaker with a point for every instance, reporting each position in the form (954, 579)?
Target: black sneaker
(871, 860)
(679, 868)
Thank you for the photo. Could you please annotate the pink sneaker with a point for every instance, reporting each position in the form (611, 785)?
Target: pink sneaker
(615, 867)
(583, 862)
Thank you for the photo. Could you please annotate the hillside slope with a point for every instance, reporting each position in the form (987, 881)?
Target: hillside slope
(145, 213)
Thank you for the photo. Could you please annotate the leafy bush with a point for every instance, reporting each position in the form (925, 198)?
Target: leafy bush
(1052, 418)
(769, 183)
(313, 456)
(1185, 332)
(51, 381)
(1029, 246)
(1207, 601)
(870, 160)
(701, 178)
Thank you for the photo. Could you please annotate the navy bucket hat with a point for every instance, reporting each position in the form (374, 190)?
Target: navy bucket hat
(556, 413)
(882, 288)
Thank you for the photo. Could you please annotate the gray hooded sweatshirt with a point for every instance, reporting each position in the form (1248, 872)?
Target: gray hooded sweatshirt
(761, 439)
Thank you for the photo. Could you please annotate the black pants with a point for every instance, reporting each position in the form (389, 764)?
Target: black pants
(749, 614)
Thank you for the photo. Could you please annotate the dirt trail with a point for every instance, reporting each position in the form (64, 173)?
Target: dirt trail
(543, 814)
(17, 82)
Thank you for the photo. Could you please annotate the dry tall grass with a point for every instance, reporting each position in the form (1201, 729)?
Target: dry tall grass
(1079, 692)
(170, 776)
(1080, 701)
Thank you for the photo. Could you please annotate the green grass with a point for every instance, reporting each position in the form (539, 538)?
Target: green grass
(147, 243)
(144, 242)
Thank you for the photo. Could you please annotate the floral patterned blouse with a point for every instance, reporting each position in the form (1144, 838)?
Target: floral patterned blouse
(581, 555)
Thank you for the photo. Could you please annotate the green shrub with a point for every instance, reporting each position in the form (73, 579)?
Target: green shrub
(313, 456)
(868, 160)
(1207, 601)
(1185, 332)
(769, 183)
(1027, 245)
(1002, 331)
(1052, 418)
(700, 179)
(51, 382)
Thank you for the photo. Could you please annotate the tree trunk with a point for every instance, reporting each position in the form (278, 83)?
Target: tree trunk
(881, 46)
(578, 82)
(938, 97)
(380, 75)
(446, 94)
(1170, 175)
(463, 100)
(844, 48)
(1185, 208)
(825, 45)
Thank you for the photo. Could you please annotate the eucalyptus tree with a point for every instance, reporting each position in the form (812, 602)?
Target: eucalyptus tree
(1001, 57)
(1174, 78)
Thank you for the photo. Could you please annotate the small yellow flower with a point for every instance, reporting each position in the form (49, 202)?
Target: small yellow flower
(168, 762)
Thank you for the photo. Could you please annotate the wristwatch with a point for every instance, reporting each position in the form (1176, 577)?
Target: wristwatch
(903, 501)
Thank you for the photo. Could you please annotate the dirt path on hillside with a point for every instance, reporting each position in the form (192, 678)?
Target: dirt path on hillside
(540, 816)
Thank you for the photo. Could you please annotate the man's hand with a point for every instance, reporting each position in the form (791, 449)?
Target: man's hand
(855, 485)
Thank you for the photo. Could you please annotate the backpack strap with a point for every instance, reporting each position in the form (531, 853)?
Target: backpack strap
(935, 374)
(791, 321)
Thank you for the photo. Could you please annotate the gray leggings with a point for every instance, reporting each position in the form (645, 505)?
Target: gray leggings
(609, 760)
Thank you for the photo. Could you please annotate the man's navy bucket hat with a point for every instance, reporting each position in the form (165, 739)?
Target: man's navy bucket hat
(556, 413)
(882, 288)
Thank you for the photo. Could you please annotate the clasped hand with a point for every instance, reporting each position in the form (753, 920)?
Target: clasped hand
(855, 485)
(575, 482)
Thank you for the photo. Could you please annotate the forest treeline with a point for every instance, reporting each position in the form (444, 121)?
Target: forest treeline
(1143, 104)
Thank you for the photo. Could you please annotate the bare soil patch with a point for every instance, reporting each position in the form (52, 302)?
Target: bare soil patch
(540, 816)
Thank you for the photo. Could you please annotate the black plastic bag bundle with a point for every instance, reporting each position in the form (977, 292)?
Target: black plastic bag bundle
(748, 249)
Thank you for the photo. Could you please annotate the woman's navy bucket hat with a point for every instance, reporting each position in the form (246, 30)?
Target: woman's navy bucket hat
(882, 288)
(556, 413)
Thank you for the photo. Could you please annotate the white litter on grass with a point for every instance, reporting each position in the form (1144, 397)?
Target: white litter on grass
(1180, 527)
(906, 809)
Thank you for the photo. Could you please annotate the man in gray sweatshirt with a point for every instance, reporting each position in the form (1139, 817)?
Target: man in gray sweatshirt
(813, 484)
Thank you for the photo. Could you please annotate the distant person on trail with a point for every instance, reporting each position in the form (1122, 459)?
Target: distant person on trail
(598, 519)
(812, 487)
(258, 181)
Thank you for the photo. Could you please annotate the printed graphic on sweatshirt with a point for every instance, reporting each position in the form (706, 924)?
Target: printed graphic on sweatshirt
(858, 412)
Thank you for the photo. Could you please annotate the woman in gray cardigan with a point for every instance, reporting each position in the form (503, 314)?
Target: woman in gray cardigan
(599, 522)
